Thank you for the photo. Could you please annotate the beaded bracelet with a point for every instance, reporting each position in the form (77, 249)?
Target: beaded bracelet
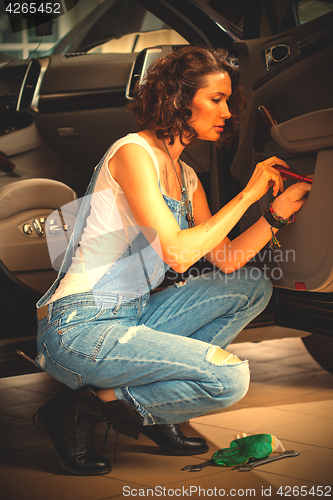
(274, 220)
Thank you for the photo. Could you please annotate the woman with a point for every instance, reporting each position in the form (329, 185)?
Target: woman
(146, 362)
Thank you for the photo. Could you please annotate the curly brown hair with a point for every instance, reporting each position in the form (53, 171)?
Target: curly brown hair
(163, 100)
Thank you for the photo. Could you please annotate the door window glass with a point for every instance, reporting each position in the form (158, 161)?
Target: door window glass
(277, 16)
(138, 32)
(311, 9)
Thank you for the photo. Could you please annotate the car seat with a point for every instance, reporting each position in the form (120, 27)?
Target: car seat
(24, 207)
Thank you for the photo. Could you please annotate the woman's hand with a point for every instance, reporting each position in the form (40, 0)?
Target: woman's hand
(264, 177)
(291, 200)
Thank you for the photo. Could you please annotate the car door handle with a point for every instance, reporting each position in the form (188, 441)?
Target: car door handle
(276, 55)
(267, 117)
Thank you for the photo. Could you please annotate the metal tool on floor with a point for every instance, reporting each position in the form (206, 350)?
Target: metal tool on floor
(242, 467)
(246, 452)
(249, 466)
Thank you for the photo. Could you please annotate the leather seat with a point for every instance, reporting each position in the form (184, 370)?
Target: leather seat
(24, 207)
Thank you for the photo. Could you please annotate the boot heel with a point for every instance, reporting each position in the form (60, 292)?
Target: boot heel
(40, 426)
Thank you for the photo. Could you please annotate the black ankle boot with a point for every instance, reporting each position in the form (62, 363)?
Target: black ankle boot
(169, 437)
(70, 419)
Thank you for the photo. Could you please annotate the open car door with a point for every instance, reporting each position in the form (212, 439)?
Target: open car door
(288, 78)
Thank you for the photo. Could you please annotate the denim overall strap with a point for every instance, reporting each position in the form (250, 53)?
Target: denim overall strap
(187, 202)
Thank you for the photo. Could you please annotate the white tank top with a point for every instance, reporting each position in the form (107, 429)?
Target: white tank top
(105, 236)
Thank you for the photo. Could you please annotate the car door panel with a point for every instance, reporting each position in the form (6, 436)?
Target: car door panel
(311, 238)
(295, 89)
(306, 133)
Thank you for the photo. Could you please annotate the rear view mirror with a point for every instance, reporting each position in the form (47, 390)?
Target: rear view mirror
(45, 28)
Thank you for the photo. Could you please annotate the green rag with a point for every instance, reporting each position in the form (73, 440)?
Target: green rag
(247, 448)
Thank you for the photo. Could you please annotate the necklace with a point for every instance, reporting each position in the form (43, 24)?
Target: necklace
(188, 207)
(182, 189)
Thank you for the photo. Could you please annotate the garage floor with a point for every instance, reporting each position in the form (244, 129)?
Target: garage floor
(290, 397)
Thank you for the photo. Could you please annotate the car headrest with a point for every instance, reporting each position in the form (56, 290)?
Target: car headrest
(29, 194)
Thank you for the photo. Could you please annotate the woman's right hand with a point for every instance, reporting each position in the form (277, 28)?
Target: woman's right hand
(292, 199)
(264, 177)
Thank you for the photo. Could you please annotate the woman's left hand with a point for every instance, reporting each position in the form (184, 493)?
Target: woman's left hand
(292, 199)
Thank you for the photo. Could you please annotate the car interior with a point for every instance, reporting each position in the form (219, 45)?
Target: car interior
(24, 207)
(63, 111)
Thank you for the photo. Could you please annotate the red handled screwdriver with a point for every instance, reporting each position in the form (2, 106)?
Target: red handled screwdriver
(285, 172)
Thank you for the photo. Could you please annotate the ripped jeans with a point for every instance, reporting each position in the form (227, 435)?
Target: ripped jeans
(157, 352)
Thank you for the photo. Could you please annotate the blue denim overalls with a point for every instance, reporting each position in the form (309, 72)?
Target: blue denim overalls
(154, 350)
